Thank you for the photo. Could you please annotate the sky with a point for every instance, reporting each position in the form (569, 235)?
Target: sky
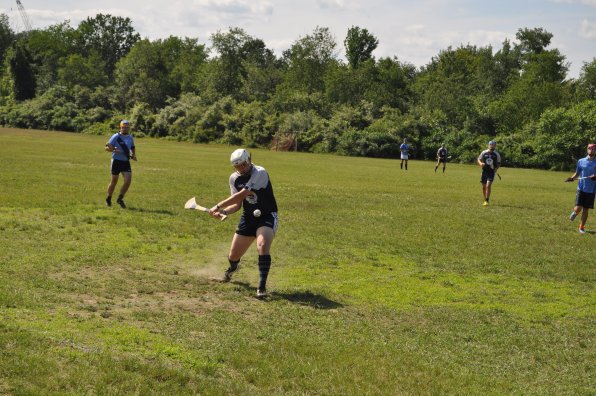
(413, 31)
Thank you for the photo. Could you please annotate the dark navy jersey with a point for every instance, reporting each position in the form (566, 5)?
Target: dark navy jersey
(261, 192)
(442, 153)
(491, 158)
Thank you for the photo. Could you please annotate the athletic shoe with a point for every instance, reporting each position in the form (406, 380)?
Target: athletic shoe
(121, 203)
(261, 293)
(572, 216)
(108, 202)
(227, 277)
(582, 230)
(485, 203)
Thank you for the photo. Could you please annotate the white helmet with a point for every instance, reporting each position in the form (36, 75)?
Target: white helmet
(239, 156)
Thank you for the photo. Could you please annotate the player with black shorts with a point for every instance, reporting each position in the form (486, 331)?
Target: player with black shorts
(586, 188)
(490, 161)
(122, 147)
(252, 191)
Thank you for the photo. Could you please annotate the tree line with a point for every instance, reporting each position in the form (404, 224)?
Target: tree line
(238, 92)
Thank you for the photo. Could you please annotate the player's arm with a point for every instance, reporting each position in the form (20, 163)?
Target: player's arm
(133, 153)
(572, 177)
(498, 164)
(231, 204)
(111, 148)
(479, 160)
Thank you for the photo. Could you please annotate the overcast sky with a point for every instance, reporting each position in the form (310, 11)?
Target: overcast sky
(414, 31)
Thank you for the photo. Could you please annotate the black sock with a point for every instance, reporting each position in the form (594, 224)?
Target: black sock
(120, 197)
(264, 265)
(233, 265)
(109, 198)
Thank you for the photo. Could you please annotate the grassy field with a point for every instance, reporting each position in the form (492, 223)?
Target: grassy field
(383, 281)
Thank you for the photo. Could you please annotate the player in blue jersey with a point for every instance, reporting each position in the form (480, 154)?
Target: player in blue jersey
(586, 188)
(404, 149)
(122, 147)
(441, 157)
(251, 191)
(490, 161)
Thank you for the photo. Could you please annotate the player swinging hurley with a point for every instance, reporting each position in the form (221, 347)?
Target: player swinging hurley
(251, 190)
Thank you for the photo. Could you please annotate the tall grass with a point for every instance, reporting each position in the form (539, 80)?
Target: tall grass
(383, 281)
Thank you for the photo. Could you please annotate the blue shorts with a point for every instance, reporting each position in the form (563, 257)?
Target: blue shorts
(120, 166)
(584, 199)
(488, 175)
(249, 224)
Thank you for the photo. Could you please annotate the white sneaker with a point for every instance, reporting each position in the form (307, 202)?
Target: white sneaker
(572, 216)
(582, 230)
(261, 293)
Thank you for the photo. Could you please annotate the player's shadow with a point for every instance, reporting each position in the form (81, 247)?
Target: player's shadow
(157, 211)
(306, 298)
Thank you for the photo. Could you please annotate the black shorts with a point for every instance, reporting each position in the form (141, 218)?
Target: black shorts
(442, 160)
(120, 166)
(488, 175)
(584, 199)
(249, 224)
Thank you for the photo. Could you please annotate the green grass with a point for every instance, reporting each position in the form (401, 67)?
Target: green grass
(383, 281)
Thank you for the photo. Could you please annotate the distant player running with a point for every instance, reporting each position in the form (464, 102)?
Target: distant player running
(490, 161)
(586, 188)
(251, 191)
(441, 157)
(122, 147)
(404, 149)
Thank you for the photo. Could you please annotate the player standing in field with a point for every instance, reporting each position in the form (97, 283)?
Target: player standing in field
(404, 148)
(122, 147)
(251, 190)
(490, 161)
(586, 188)
(441, 157)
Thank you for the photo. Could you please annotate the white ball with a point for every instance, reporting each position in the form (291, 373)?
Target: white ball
(257, 213)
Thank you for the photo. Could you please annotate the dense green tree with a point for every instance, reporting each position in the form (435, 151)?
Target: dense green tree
(108, 36)
(154, 70)
(359, 45)
(7, 36)
(48, 47)
(240, 58)
(309, 59)
(76, 69)
(449, 84)
(587, 80)
(21, 70)
(540, 85)
(533, 41)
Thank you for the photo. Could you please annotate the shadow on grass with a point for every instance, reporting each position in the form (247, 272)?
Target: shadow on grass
(306, 298)
(158, 211)
(309, 299)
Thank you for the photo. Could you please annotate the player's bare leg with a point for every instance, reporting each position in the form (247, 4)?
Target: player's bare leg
(240, 244)
(111, 188)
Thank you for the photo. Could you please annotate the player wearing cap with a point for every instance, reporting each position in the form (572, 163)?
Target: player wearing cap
(122, 147)
(251, 190)
(490, 161)
(586, 188)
